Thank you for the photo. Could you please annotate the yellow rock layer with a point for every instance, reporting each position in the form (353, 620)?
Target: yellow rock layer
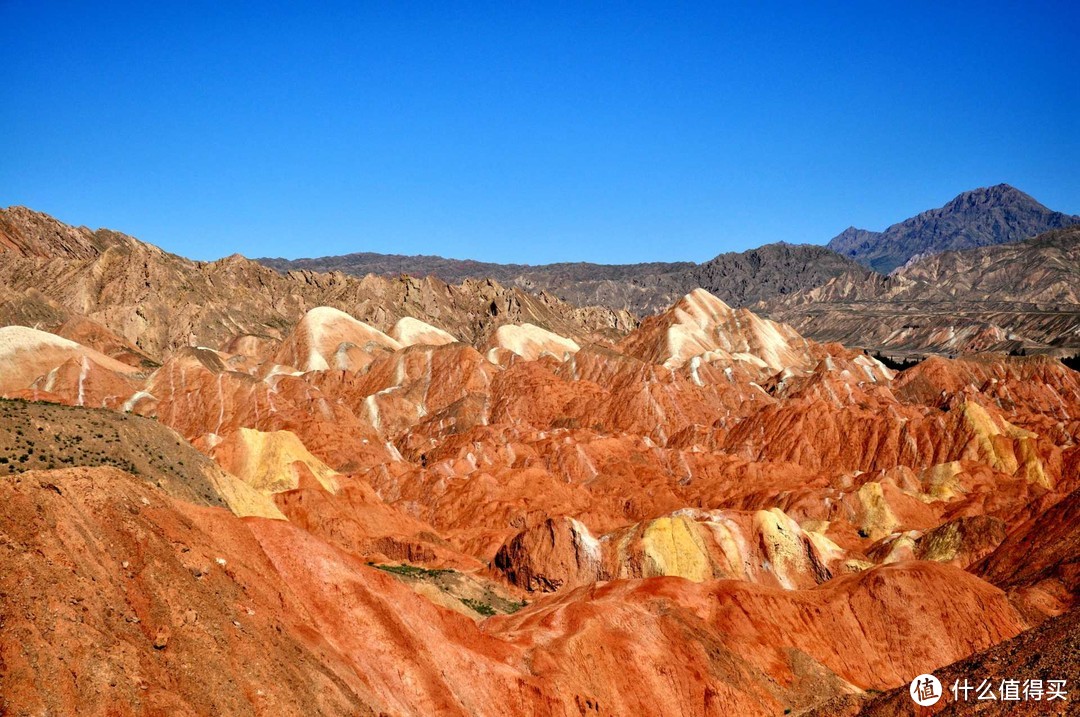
(266, 461)
(877, 518)
(941, 482)
(781, 540)
(243, 500)
(672, 546)
(1000, 442)
(733, 546)
(1031, 465)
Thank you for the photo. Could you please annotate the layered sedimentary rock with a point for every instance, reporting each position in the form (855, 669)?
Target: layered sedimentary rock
(528, 520)
(1027, 663)
(409, 332)
(701, 325)
(990, 216)
(36, 359)
(319, 632)
(328, 338)
(531, 342)
(51, 273)
(1015, 298)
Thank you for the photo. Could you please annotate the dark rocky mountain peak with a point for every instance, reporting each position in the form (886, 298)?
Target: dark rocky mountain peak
(1000, 214)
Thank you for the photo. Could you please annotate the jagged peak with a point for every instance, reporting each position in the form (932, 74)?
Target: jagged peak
(998, 194)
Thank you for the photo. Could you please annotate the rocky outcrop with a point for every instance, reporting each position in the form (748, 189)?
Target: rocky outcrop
(35, 235)
(738, 278)
(328, 338)
(700, 325)
(410, 332)
(555, 554)
(764, 547)
(271, 462)
(954, 286)
(36, 359)
(982, 217)
(1018, 297)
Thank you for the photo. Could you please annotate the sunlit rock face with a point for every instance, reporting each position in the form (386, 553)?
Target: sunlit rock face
(530, 343)
(32, 359)
(328, 338)
(410, 332)
(701, 325)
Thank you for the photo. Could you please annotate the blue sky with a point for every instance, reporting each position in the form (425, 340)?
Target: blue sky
(528, 132)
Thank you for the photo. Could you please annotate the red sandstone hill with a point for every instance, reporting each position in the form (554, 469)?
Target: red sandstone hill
(405, 498)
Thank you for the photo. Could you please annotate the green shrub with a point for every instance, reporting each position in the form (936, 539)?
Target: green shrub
(478, 606)
(411, 571)
(515, 606)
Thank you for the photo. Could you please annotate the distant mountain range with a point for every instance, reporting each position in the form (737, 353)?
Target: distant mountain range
(1021, 297)
(981, 217)
(1013, 297)
(740, 279)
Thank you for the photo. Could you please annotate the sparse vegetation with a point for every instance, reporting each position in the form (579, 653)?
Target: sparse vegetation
(412, 571)
(72, 436)
(478, 594)
(477, 606)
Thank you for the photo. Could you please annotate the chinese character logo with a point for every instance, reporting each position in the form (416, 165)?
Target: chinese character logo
(925, 690)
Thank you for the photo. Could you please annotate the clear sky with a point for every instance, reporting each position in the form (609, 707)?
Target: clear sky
(520, 132)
